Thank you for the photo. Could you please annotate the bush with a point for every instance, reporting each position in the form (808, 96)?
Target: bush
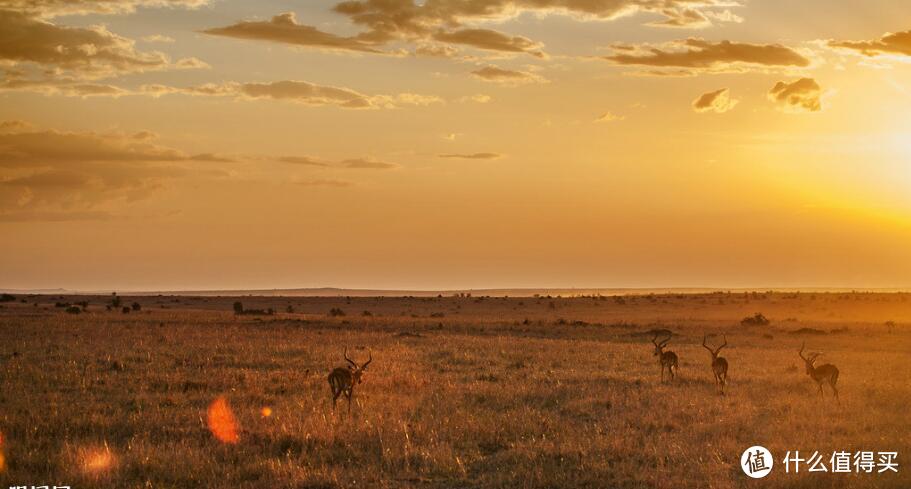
(289, 309)
(125, 310)
(238, 308)
(115, 300)
(7, 298)
(73, 310)
(336, 312)
(136, 306)
(755, 320)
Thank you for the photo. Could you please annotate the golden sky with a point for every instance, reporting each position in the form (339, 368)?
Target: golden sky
(175, 144)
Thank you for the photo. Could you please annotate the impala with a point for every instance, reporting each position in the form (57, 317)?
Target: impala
(719, 364)
(823, 374)
(666, 359)
(343, 379)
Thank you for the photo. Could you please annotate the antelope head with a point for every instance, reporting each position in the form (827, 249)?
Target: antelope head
(659, 347)
(717, 350)
(357, 371)
(808, 360)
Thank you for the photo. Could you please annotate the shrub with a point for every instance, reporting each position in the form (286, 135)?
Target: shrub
(73, 310)
(125, 310)
(336, 312)
(7, 298)
(136, 306)
(238, 308)
(289, 309)
(755, 320)
(115, 300)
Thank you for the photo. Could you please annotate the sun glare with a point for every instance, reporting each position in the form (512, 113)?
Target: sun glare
(221, 421)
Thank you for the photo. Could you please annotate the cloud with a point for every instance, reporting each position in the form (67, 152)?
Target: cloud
(92, 52)
(325, 183)
(297, 91)
(350, 163)
(472, 156)
(307, 93)
(158, 38)
(609, 117)
(700, 55)
(890, 43)
(48, 172)
(491, 40)
(802, 95)
(361, 163)
(53, 8)
(456, 22)
(303, 160)
(478, 99)
(719, 101)
(504, 76)
(283, 28)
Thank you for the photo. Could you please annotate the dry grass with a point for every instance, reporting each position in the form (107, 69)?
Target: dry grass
(461, 393)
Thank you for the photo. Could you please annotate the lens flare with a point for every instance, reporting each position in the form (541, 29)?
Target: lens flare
(221, 421)
(97, 460)
(266, 411)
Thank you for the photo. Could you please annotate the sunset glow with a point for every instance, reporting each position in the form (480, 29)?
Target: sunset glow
(199, 144)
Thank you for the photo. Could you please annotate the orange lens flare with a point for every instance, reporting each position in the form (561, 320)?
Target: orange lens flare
(97, 460)
(266, 412)
(221, 421)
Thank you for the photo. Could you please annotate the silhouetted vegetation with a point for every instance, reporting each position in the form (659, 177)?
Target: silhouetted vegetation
(336, 312)
(755, 320)
(7, 298)
(73, 310)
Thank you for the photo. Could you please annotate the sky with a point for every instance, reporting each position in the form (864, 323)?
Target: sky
(406, 144)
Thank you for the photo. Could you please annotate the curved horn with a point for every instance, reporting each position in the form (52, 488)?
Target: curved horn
(368, 360)
(802, 345)
(722, 346)
(706, 346)
(655, 338)
(348, 359)
(664, 343)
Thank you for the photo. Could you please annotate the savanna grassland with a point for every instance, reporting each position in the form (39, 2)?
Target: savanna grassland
(462, 391)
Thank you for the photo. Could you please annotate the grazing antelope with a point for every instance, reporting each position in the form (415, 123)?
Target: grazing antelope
(823, 374)
(719, 364)
(666, 359)
(343, 379)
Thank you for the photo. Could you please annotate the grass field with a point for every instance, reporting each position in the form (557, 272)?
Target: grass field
(462, 391)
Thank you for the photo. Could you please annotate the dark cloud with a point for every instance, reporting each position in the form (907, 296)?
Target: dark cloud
(890, 43)
(699, 54)
(284, 28)
(508, 77)
(490, 40)
(472, 156)
(455, 22)
(53, 8)
(47, 171)
(802, 95)
(84, 52)
(719, 101)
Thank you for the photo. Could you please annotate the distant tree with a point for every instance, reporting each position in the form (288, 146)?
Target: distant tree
(115, 299)
(7, 298)
(136, 306)
(238, 308)
(125, 310)
(336, 312)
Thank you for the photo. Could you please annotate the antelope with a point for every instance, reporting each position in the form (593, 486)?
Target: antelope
(343, 379)
(823, 374)
(666, 359)
(719, 364)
